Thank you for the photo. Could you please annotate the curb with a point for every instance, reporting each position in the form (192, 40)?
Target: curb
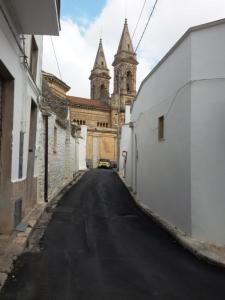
(208, 254)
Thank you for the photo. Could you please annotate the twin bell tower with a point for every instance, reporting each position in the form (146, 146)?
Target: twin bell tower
(124, 87)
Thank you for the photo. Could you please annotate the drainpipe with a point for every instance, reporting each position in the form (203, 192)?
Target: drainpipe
(46, 160)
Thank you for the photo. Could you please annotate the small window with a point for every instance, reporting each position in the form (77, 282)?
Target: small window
(161, 128)
(55, 140)
(33, 57)
(102, 63)
(21, 145)
(106, 125)
(97, 123)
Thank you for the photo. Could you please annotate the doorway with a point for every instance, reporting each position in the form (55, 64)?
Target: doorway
(31, 190)
(6, 129)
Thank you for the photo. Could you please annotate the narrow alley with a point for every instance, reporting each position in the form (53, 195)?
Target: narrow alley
(99, 245)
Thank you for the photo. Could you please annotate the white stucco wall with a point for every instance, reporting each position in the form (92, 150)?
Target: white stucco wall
(127, 114)
(124, 146)
(207, 135)
(182, 178)
(24, 90)
(163, 167)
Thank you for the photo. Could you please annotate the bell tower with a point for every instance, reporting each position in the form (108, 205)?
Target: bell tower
(99, 77)
(125, 67)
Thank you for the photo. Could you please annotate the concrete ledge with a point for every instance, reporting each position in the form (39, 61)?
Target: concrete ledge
(12, 246)
(208, 252)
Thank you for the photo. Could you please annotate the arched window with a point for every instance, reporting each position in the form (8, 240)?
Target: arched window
(102, 92)
(129, 82)
(93, 92)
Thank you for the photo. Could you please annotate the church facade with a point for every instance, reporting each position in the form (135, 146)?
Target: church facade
(104, 114)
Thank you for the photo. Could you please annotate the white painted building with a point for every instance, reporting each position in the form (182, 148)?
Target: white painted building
(176, 148)
(22, 24)
(124, 141)
(82, 147)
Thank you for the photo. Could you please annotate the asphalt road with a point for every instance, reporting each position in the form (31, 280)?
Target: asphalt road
(100, 246)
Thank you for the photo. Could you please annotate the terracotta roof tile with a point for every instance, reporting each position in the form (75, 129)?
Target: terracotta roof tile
(89, 103)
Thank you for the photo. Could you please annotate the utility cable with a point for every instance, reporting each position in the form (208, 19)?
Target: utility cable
(152, 11)
(139, 19)
(57, 62)
(174, 98)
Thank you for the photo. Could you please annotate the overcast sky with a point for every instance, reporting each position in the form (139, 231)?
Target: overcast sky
(83, 22)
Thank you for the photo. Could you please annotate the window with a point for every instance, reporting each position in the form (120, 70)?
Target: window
(102, 124)
(129, 81)
(117, 82)
(102, 92)
(33, 57)
(93, 92)
(55, 140)
(20, 175)
(80, 122)
(161, 128)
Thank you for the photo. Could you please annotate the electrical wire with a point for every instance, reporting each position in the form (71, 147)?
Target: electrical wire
(57, 62)
(139, 19)
(152, 11)
(173, 99)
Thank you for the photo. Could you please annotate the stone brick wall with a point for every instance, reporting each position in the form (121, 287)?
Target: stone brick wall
(70, 158)
(61, 157)
(40, 157)
(56, 157)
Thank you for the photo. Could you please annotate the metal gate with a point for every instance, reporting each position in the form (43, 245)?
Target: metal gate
(17, 212)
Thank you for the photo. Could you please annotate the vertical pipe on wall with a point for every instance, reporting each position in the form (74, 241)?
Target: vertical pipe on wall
(46, 160)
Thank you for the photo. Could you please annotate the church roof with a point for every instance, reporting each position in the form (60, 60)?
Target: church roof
(100, 61)
(125, 40)
(88, 103)
(58, 81)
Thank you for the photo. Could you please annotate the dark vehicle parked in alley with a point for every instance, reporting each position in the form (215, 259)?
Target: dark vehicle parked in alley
(104, 164)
